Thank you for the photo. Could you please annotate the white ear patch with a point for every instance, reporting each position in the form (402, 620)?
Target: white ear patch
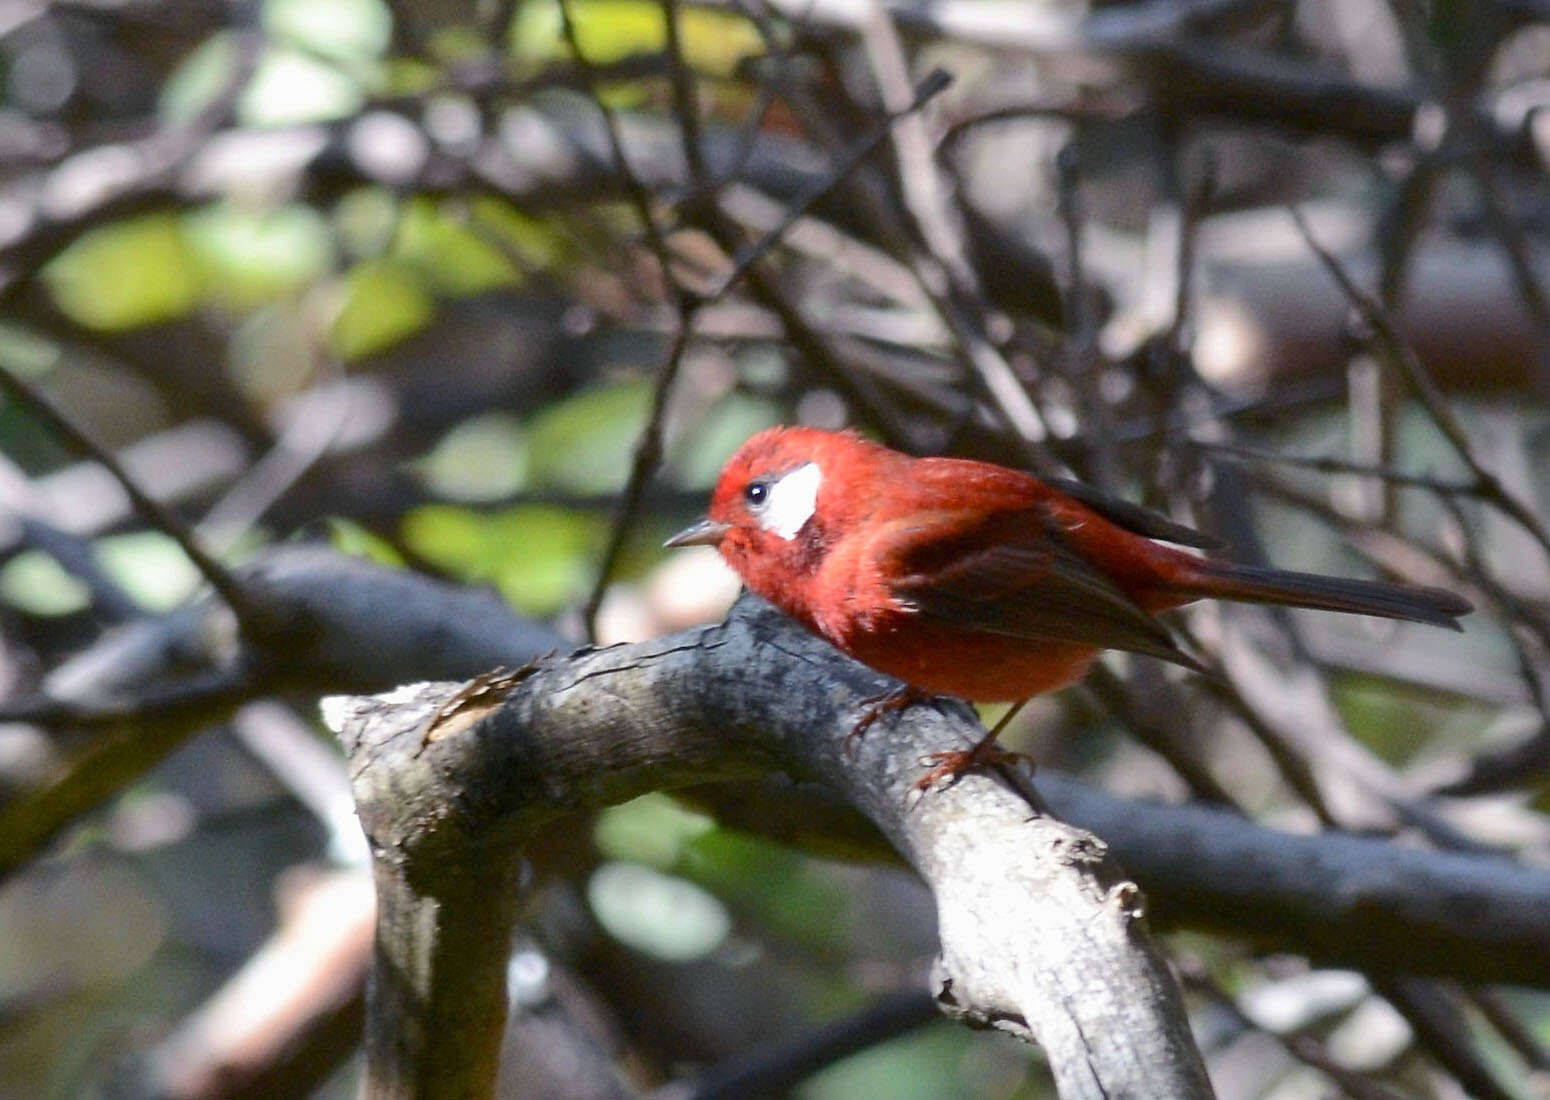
(791, 501)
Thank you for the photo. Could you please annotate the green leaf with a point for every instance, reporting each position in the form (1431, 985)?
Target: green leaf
(344, 29)
(198, 79)
(251, 256)
(698, 459)
(25, 353)
(290, 88)
(382, 304)
(349, 537)
(609, 30)
(450, 257)
(37, 584)
(536, 241)
(366, 220)
(656, 913)
(539, 557)
(131, 273)
(652, 829)
(406, 76)
(454, 44)
(484, 458)
(150, 567)
(585, 442)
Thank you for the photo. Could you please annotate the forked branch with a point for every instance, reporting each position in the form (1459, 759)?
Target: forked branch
(1041, 934)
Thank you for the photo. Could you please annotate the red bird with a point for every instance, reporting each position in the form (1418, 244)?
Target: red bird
(970, 579)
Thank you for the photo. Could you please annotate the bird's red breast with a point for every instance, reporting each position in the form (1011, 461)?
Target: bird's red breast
(971, 579)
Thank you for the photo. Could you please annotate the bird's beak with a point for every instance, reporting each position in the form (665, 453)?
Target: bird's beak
(707, 532)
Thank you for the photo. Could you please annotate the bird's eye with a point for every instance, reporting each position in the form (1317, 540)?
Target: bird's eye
(756, 493)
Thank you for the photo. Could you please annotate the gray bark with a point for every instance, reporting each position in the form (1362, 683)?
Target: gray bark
(1041, 933)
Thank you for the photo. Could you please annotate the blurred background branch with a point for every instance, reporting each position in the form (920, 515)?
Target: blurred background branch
(484, 294)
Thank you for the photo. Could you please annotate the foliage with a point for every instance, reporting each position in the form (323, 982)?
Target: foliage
(1080, 259)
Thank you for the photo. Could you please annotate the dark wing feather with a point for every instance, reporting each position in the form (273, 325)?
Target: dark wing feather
(1133, 517)
(1013, 574)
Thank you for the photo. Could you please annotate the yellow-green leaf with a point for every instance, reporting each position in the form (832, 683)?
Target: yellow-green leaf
(537, 242)
(484, 458)
(608, 30)
(199, 78)
(539, 557)
(382, 304)
(131, 273)
(150, 567)
(349, 537)
(37, 584)
(584, 442)
(250, 256)
(447, 254)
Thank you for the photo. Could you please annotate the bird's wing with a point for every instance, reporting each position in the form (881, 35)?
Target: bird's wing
(1013, 573)
(1134, 517)
(1000, 489)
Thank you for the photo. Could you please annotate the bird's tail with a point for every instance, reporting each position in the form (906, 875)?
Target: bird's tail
(1254, 584)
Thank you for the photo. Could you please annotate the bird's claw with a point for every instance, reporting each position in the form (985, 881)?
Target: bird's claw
(953, 764)
(878, 705)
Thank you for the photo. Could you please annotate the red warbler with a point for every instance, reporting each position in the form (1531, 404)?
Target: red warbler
(966, 578)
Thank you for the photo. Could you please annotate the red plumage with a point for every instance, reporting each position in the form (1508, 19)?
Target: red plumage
(971, 579)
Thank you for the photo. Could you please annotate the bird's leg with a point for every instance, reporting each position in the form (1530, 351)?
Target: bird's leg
(874, 708)
(953, 763)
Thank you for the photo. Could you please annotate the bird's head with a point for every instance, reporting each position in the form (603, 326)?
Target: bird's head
(780, 502)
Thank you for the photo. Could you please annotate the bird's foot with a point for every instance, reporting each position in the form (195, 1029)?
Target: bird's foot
(878, 705)
(953, 764)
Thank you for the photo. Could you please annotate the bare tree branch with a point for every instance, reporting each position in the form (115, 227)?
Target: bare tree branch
(772, 1072)
(1360, 901)
(164, 518)
(349, 624)
(1041, 934)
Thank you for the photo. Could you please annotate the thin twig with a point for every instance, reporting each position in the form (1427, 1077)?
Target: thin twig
(164, 153)
(1192, 212)
(1441, 1031)
(72, 551)
(775, 63)
(1518, 762)
(648, 453)
(1509, 235)
(920, 181)
(319, 417)
(685, 108)
(1082, 361)
(1093, 109)
(250, 616)
(875, 209)
(1329, 464)
(1305, 1048)
(942, 266)
(648, 449)
(1528, 1046)
(1144, 719)
(639, 195)
(935, 82)
(773, 1071)
(1424, 387)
